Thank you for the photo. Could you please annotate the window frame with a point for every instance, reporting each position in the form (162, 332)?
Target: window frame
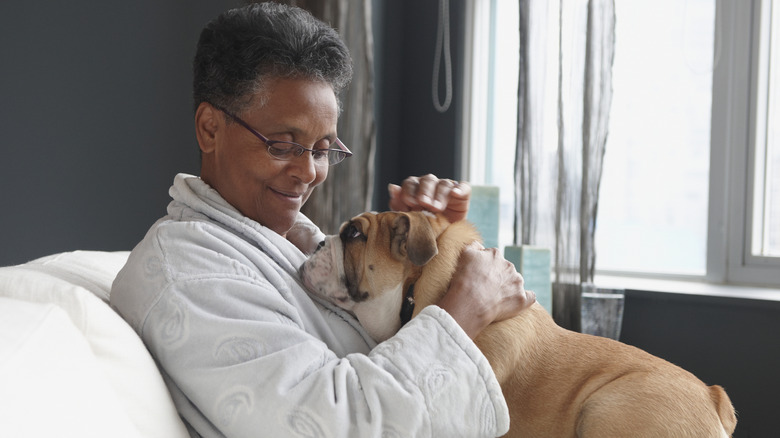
(733, 149)
(732, 141)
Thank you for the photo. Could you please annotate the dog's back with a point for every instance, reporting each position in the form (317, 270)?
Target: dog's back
(557, 381)
(561, 383)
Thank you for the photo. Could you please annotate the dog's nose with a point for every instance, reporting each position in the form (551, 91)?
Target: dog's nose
(320, 245)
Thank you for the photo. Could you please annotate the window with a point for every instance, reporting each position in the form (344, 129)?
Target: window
(766, 183)
(691, 182)
(744, 117)
(654, 188)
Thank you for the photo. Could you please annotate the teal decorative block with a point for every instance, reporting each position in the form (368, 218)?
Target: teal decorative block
(533, 263)
(483, 212)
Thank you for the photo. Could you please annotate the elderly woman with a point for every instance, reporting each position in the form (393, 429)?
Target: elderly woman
(213, 288)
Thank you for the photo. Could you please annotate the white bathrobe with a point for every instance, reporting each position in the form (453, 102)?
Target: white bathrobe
(247, 352)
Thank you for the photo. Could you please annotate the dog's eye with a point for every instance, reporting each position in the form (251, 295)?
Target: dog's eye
(354, 233)
(351, 232)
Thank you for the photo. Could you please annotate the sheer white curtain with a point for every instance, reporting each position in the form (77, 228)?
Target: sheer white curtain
(349, 187)
(564, 97)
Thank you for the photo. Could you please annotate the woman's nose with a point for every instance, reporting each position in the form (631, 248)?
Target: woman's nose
(304, 167)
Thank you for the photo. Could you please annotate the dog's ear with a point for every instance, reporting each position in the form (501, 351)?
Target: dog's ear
(413, 237)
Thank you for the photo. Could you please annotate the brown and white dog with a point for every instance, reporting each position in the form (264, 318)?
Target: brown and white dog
(557, 383)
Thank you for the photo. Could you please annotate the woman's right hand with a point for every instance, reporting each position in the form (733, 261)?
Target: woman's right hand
(485, 288)
(430, 193)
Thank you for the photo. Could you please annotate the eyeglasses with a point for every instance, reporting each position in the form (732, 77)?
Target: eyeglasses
(287, 150)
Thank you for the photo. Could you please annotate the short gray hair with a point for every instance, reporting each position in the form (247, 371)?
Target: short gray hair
(242, 49)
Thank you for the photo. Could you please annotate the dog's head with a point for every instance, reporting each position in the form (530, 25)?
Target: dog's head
(367, 267)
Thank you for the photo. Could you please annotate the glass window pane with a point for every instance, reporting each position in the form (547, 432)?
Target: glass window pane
(766, 201)
(654, 193)
(772, 206)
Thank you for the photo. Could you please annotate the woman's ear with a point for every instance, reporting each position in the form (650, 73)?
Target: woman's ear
(207, 123)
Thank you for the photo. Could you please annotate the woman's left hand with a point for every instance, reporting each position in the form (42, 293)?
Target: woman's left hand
(445, 196)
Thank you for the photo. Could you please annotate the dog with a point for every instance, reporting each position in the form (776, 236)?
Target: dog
(557, 383)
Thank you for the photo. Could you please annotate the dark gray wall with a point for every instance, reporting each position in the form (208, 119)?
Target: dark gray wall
(96, 116)
(412, 137)
(95, 119)
(726, 341)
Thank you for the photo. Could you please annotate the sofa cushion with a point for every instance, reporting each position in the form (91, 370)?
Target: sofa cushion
(52, 384)
(79, 283)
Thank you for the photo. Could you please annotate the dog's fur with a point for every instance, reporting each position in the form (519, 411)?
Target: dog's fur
(557, 383)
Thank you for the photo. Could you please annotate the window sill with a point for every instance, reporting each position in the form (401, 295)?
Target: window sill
(698, 288)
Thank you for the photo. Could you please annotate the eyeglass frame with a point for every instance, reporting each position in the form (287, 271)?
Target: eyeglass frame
(301, 149)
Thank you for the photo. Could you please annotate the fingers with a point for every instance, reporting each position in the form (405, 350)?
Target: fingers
(516, 298)
(397, 201)
(485, 288)
(513, 288)
(451, 198)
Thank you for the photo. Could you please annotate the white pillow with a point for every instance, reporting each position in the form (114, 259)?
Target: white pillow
(52, 384)
(79, 283)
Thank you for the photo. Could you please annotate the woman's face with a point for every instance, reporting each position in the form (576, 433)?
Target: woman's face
(239, 167)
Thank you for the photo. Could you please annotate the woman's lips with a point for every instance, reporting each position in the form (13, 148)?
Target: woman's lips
(292, 196)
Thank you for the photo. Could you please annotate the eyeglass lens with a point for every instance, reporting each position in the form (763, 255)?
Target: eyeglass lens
(286, 151)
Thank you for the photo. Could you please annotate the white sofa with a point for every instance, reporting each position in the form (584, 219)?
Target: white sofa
(69, 365)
